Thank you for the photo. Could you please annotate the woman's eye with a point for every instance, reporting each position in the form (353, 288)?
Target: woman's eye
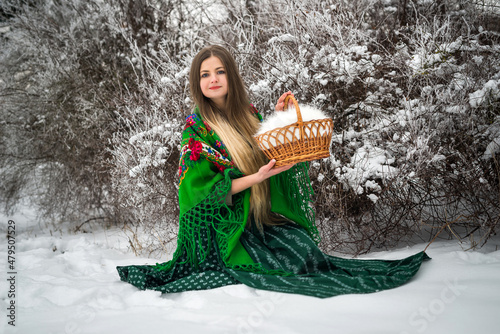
(221, 72)
(204, 75)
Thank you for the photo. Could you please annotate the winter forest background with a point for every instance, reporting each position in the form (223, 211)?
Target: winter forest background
(94, 93)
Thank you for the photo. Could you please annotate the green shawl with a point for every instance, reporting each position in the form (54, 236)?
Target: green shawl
(205, 172)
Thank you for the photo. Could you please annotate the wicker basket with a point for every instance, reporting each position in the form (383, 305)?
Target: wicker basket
(297, 142)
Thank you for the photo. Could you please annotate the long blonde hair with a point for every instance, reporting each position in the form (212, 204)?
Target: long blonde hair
(235, 125)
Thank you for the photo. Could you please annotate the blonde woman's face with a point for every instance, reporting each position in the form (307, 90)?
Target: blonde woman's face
(213, 80)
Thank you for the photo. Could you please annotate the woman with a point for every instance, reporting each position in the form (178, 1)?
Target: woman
(241, 220)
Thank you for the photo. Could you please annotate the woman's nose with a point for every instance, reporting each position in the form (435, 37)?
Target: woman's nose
(213, 78)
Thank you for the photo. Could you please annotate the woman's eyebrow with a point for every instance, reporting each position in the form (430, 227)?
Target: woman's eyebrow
(218, 68)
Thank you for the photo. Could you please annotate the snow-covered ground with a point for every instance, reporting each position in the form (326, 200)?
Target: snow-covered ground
(68, 284)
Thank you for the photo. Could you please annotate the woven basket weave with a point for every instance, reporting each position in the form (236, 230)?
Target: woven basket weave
(297, 142)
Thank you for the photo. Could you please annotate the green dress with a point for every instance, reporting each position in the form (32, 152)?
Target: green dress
(215, 249)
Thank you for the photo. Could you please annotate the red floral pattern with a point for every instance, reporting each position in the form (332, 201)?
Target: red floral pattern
(200, 142)
(195, 147)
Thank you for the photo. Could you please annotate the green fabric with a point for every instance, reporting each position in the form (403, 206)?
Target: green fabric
(215, 249)
(289, 248)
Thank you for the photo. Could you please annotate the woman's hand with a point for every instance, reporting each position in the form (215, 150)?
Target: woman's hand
(267, 171)
(280, 106)
(264, 173)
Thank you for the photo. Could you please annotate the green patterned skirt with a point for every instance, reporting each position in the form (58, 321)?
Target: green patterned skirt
(283, 247)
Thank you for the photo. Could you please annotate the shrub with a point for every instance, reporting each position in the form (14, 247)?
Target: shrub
(96, 92)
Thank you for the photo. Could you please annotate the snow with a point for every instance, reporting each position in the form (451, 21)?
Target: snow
(164, 130)
(67, 283)
(260, 87)
(490, 89)
(373, 198)
(157, 150)
(492, 149)
(165, 80)
(367, 162)
(282, 38)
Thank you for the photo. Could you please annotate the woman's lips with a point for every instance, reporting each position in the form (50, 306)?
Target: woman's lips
(215, 87)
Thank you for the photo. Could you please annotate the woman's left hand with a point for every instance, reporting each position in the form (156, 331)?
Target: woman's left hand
(264, 173)
(280, 106)
(267, 171)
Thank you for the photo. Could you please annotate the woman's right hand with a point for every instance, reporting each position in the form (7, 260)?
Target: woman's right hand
(280, 105)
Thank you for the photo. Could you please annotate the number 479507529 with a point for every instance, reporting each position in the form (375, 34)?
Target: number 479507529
(11, 247)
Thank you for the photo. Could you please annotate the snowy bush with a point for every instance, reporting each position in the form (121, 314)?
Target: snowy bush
(95, 95)
(145, 148)
(412, 108)
(145, 154)
(61, 69)
(413, 156)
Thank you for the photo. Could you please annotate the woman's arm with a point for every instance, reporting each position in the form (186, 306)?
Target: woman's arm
(264, 173)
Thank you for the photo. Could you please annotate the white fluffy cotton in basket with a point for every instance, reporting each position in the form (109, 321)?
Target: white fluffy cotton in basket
(280, 119)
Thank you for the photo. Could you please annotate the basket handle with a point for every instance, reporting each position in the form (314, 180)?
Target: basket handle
(297, 109)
